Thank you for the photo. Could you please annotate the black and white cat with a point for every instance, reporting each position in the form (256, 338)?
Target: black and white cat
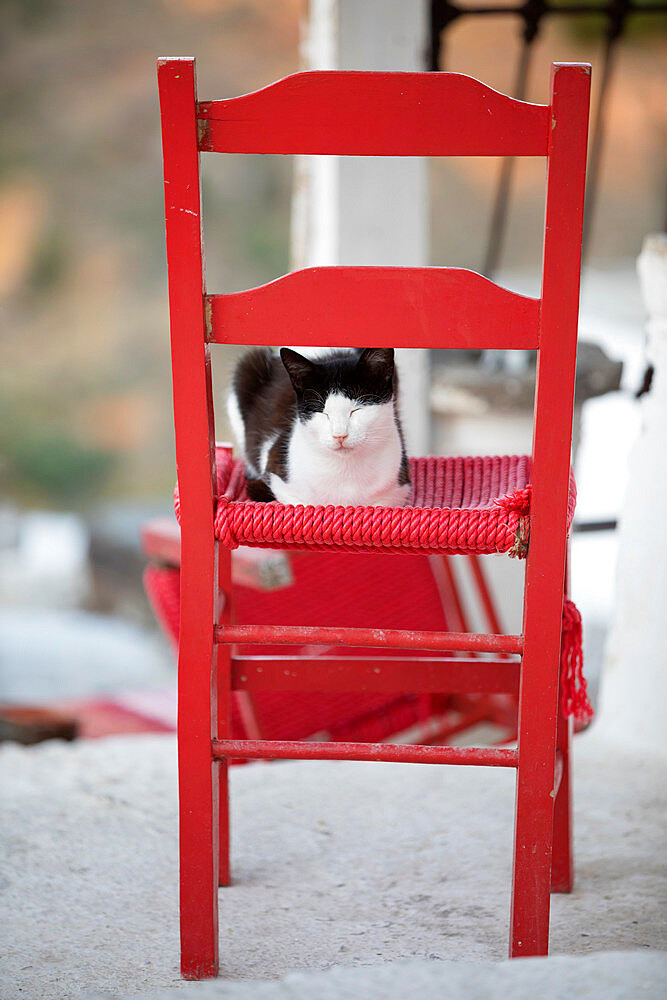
(320, 431)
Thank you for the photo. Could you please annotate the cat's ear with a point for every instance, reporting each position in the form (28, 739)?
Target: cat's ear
(299, 369)
(378, 362)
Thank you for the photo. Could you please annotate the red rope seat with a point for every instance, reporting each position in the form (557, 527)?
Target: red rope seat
(457, 505)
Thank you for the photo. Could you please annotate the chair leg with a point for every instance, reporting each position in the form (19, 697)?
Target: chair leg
(224, 878)
(198, 791)
(562, 868)
(533, 832)
(224, 712)
(224, 872)
(199, 880)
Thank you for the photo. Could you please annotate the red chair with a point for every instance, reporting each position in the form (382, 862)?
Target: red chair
(522, 505)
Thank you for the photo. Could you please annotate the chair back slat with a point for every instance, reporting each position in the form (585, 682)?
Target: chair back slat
(375, 306)
(375, 114)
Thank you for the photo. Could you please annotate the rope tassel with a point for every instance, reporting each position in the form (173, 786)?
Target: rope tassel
(519, 503)
(574, 693)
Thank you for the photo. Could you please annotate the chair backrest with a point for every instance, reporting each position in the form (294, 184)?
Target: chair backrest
(377, 114)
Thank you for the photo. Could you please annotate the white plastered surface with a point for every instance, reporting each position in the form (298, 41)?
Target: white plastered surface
(339, 870)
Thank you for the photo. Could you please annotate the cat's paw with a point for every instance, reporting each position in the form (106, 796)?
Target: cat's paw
(257, 490)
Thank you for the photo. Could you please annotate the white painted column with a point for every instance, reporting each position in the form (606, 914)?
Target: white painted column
(368, 210)
(634, 680)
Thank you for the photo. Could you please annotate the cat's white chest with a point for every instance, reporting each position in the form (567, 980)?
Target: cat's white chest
(365, 475)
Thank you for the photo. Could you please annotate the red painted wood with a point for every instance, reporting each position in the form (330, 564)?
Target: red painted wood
(223, 617)
(374, 306)
(224, 707)
(373, 673)
(390, 638)
(449, 598)
(401, 753)
(461, 616)
(562, 864)
(543, 599)
(375, 114)
(193, 417)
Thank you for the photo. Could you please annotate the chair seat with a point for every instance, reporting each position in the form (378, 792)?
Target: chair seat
(457, 506)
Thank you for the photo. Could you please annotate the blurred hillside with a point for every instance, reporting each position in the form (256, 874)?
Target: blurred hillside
(84, 384)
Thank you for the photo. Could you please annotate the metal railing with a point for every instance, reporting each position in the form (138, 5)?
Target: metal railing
(532, 14)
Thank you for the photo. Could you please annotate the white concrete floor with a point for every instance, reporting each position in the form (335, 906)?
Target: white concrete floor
(337, 866)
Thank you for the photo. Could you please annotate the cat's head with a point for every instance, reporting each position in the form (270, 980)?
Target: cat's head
(345, 400)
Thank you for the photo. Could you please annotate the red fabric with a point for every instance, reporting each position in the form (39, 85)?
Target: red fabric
(457, 505)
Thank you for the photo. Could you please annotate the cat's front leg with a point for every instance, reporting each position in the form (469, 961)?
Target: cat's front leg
(259, 491)
(283, 493)
(397, 496)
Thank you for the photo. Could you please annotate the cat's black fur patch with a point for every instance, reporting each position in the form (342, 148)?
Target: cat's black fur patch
(367, 376)
(257, 489)
(267, 403)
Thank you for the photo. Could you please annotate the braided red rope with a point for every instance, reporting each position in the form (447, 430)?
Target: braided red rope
(457, 505)
(519, 503)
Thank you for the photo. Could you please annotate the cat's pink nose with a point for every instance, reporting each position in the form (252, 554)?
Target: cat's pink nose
(340, 438)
